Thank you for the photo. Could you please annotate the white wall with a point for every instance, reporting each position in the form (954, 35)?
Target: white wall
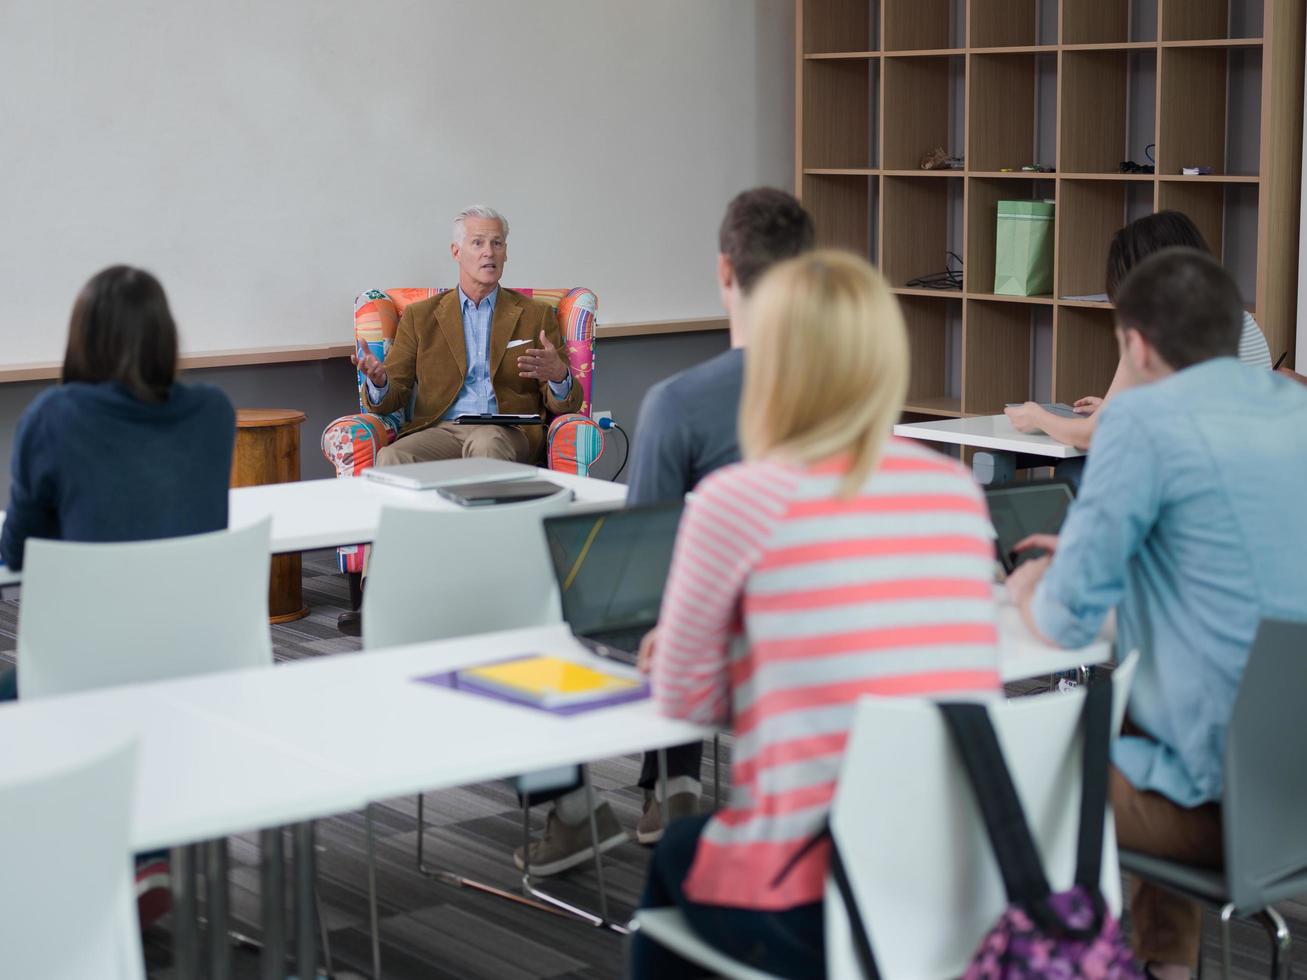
(270, 158)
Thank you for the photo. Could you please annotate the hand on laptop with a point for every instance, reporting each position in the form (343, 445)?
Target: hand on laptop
(1022, 580)
(1048, 542)
(645, 663)
(1088, 405)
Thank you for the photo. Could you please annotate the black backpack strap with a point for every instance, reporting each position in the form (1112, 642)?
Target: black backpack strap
(1009, 834)
(861, 941)
(1097, 729)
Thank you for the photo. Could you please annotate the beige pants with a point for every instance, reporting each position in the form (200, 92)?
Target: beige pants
(445, 440)
(1167, 926)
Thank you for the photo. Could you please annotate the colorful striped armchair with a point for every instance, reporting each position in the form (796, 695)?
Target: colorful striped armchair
(574, 442)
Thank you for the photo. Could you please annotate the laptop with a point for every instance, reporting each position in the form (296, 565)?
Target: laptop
(1018, 510)
(611, 568)
(449, 473)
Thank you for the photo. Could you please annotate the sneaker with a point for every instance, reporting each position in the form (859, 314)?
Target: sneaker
(565, 846)
(350, 623)
(153, 890)
(650, 828)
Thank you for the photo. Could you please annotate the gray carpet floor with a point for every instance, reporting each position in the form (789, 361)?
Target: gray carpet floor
(434, 931)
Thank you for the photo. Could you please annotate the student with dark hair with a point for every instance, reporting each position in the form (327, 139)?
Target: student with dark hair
(1131, 245)
(1189, 525)
(686, 430)
(119, 451)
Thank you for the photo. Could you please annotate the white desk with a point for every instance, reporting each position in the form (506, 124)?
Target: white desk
(987, 432)
(326, 513)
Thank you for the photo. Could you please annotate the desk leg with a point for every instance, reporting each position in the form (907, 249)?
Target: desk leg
(272, 886)
(185, 913)
(306, 929)
(661, 787)
(215, 876)
(594, 836)
(993, 466)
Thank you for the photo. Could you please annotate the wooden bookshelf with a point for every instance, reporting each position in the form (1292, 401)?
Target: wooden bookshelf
(1078, 85)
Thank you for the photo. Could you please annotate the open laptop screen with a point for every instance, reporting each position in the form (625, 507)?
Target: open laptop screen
(612, 566)
(1022, 509)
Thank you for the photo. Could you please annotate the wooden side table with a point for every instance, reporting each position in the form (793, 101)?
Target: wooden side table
(268, 451)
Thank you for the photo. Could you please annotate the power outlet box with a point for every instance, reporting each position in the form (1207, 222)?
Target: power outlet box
(600, 416)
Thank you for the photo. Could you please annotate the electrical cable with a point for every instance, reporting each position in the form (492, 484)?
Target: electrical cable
(608, 423)
(950, 278)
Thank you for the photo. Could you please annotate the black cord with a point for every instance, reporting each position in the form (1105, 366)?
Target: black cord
(626, 452)
(950, 278)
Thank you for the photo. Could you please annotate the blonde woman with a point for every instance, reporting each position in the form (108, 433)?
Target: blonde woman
(850, 563)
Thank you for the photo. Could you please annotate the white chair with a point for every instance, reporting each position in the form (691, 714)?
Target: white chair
(434, 575)
(99, 615)
(147, 611)
(913, 840)
(66, 909)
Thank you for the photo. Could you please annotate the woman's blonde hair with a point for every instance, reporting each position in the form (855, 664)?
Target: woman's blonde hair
(827, 364)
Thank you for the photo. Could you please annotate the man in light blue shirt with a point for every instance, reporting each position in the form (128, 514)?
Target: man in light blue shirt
(1190, 525)
(478, 350)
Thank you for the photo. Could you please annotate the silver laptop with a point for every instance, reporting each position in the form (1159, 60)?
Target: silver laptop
(611, 568)
(449, 473)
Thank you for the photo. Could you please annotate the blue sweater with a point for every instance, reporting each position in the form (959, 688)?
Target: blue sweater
(94, 463)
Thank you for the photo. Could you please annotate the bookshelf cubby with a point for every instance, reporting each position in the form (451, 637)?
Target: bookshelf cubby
(1076, 85)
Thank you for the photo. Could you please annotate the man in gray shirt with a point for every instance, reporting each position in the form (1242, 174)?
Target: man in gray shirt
(686, 429)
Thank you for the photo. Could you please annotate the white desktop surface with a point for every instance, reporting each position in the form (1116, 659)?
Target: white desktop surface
(987, 432)
(235, 752)
(325, 513)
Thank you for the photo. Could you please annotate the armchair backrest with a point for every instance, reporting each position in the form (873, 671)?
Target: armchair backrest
(377, 313)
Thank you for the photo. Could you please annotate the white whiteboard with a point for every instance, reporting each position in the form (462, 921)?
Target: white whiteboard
(268, 159)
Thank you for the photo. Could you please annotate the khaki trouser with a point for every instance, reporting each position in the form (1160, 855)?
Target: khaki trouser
(1167, 926)
(445, 440)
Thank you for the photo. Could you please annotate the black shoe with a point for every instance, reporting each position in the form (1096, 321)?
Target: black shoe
(350, 623)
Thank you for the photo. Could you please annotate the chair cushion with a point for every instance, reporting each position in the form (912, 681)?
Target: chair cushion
(351, 443)
(574, 443)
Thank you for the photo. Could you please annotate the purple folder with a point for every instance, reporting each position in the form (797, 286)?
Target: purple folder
(451, 680)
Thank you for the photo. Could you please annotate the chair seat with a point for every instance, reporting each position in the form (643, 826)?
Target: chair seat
(668, 928)
(1200, 882)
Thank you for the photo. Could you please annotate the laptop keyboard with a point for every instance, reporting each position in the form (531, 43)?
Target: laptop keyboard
(623, 639)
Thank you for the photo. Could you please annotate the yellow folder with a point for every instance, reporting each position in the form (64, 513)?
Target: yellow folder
(549, 681)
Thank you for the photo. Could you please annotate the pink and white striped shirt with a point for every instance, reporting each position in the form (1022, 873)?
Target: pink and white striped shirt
(886, 592)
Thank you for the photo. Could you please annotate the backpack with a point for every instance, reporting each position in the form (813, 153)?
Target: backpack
(1068, 934)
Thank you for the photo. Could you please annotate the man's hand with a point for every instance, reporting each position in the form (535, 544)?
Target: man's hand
(1088, 405)
(645, 663)
(1292, 374)
(1021, 583)
(366, 362)
(542, 363)
(1046, 541)
(1026, 418)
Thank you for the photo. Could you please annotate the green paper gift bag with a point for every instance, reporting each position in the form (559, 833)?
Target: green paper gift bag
(1023, 253)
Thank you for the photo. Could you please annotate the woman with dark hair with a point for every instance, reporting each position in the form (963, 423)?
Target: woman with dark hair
(1130, 246)
(119, 451)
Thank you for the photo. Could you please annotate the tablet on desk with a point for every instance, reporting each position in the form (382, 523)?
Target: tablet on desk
(488, 418)
(1021, 509)
(1053, 408)
(510, 492)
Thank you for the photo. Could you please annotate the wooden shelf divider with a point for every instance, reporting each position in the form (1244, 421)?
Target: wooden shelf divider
(881, 82)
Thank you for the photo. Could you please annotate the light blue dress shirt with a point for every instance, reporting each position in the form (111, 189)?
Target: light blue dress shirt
(477, 396)
(1190, 523)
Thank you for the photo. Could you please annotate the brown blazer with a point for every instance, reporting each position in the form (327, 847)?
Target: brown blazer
(429, 352)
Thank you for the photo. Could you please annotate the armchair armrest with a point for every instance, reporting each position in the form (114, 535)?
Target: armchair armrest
(351, 443)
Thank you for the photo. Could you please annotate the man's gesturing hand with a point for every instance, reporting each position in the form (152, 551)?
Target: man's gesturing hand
(366, 362)
(542, 363)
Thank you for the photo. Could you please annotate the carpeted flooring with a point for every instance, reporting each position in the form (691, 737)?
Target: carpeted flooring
(434, 931)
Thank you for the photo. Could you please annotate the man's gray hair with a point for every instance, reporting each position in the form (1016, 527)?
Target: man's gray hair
(477, 211)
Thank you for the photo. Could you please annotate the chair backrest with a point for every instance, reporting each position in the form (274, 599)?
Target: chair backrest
(913, 839)
(67, 908)
(97, 615)
(377, 313)
(1264, 802)
(433, 575)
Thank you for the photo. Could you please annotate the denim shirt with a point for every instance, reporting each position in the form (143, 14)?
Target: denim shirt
(477, 396)
(1190, 523)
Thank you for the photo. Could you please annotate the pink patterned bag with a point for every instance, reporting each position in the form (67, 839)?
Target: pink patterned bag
(1064, 935)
